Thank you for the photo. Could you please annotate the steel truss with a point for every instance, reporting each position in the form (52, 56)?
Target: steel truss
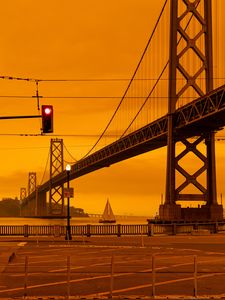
(191, 178)
(202, 108)
(56, 197)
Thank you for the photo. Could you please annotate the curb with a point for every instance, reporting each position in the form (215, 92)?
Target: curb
(212, 297)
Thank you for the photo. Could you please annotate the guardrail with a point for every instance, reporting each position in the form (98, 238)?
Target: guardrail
(111, 229)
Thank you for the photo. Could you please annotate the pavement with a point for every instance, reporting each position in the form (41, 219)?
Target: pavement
(8, 251)
(91, 273)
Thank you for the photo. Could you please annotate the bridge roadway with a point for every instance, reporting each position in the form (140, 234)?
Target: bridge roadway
(200, 116)
(91, 267)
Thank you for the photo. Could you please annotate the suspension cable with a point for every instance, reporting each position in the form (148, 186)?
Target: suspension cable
(74, 159)
(147, 98)
(45, 170)
(135, 72)
(154, 86)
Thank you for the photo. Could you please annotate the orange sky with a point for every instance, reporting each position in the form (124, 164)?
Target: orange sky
(53, 39)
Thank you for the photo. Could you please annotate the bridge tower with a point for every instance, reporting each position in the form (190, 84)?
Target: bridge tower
(29, 209)
(190, 72)
(56, 197)
(32, 181)
(23, 193)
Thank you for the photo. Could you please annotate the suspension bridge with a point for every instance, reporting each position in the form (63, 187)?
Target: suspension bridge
(175, 96)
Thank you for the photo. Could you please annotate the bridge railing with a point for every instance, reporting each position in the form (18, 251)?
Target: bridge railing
(112, 229)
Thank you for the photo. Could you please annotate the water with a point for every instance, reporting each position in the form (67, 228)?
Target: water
(73, 221)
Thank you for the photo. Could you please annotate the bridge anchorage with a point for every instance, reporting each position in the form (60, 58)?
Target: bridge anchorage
(202, 67)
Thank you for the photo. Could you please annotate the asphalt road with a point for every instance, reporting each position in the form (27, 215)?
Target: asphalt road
(117, 266)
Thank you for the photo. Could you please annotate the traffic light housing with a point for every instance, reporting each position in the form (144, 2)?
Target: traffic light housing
(47, 118)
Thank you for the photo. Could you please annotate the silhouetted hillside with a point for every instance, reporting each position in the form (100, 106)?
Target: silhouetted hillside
(11, 208)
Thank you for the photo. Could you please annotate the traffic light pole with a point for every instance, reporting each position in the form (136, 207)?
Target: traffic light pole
(19, 117)
(46, 115)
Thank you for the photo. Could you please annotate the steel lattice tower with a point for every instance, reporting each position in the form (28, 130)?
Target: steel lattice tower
(23, 193)
(32, 180)
(56, 197)
(193, 63)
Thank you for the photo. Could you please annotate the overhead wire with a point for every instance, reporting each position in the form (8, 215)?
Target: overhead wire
(87, 79)
(59, 134)
(87, 97)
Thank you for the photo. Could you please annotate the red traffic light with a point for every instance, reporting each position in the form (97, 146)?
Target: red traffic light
(47, 118)
(47, 110)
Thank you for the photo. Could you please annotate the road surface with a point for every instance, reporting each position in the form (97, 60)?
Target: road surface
(112, 266)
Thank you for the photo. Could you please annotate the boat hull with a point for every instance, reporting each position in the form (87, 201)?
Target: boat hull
(107, 221)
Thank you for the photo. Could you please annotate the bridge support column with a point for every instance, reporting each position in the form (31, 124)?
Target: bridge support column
(190, 26)
(211, 174)
(213, 209)
(41, 204)
(31, 208)
(170, 210)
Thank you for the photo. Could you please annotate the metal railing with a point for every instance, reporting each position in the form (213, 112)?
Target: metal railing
(111, 229)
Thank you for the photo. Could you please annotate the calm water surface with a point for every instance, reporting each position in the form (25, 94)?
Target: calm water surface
(74, 221)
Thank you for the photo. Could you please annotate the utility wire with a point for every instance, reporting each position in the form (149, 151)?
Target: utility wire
(18, 78)
(91, 97)
(64, 80)
(66, 135)
(89, 79)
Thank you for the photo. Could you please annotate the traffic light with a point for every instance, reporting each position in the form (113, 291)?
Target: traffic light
(47, 118)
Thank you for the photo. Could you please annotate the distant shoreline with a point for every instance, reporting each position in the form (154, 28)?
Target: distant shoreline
(7, 221)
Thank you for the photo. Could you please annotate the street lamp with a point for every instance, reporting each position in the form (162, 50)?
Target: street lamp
(68, 229)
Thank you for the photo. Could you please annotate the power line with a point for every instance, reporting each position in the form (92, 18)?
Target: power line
(23, 148)
(88, 97)
(18, 78)
(91, 79)
(55, 135)
(65, 80)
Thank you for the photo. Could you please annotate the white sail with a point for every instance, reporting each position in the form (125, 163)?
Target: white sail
(108, 215)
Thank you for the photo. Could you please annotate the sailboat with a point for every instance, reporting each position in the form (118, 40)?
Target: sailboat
(108, 216)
